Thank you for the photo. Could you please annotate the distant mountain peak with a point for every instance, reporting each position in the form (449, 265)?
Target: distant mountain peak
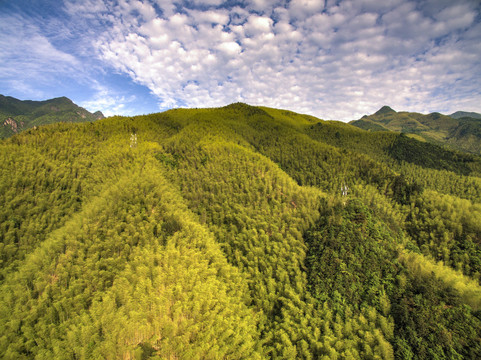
(62, 100)
(385, 110)
(18, 115)
(99, 115)
(461, 114)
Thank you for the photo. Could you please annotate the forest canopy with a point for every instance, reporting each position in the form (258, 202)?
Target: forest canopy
(237, 232)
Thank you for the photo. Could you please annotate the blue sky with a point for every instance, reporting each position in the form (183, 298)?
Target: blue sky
(335, 59)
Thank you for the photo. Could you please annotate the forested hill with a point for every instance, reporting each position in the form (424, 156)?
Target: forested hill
(236, 233)
(460, 131)
(17, 115)
(462, 114)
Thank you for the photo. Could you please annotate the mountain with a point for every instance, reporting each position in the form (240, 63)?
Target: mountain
(460, 131)
(238, 232)
(463, 114)
(385, 110)
(17, 115)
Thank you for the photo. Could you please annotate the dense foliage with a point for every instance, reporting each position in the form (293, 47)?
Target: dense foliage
(236, 232)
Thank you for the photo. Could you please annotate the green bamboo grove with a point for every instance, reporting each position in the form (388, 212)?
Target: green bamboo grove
(236, 233)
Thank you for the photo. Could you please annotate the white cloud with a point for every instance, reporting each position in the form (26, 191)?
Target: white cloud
(264, 6)
(109, 102)
(333, 59)
(257, 25)
(231, 48)
(207, 2)
(85, 8)
(301, 8)
(334, 62)
(375, 5)
(457, 17)
(27, 56)
(211, 16)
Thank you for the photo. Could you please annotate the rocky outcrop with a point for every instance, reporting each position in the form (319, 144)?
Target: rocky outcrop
(16, 127)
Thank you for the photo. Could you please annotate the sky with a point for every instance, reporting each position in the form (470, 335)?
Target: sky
(334, 59)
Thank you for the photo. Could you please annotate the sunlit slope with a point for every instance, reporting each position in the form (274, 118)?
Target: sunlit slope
(236, 232)
(133, 273)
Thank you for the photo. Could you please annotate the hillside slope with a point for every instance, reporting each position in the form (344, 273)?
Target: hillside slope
(236, 232)
(17, 115)
(460, 131)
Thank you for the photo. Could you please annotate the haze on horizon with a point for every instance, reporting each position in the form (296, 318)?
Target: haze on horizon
(332, 59)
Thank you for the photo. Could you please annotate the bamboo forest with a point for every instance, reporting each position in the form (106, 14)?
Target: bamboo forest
(237, 232)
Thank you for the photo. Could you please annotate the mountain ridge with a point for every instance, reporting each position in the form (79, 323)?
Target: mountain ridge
(461, 133)
(18, 115)
(461, 114)
(385, 110)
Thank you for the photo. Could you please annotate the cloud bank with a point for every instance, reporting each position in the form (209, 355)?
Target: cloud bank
(332, 59)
